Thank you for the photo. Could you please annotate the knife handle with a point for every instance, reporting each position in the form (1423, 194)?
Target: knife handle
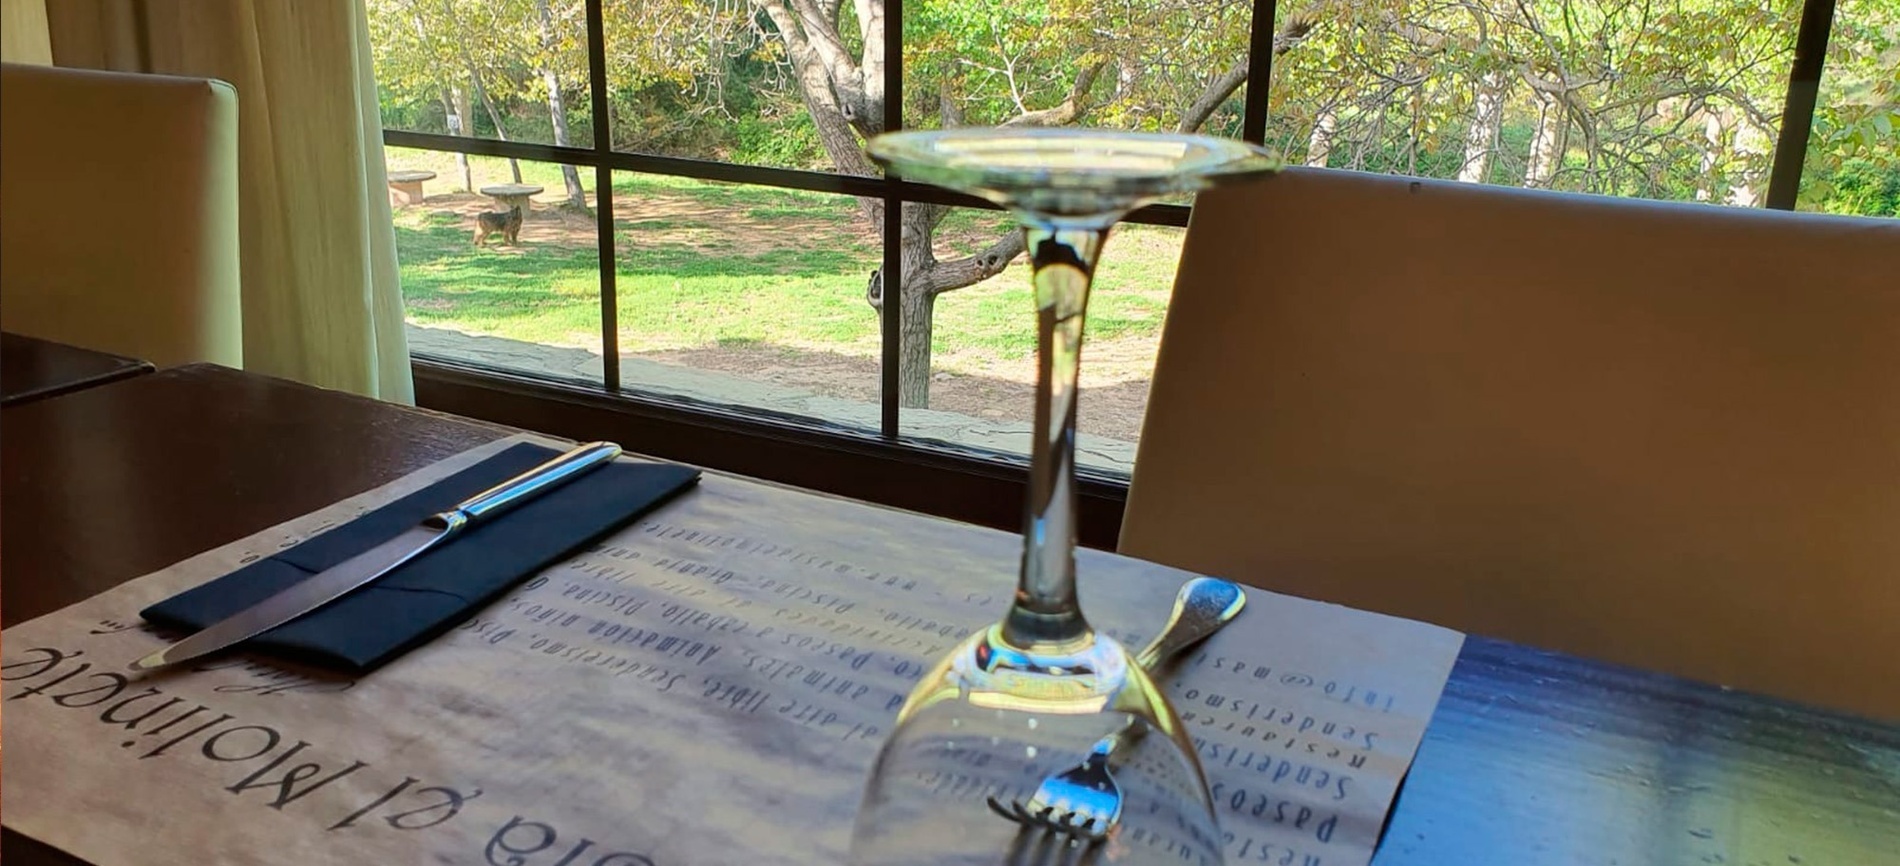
(527, 485)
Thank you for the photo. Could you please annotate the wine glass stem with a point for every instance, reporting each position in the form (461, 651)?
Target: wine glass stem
(1045, 610)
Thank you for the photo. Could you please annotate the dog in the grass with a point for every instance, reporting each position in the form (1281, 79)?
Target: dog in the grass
(507, 222)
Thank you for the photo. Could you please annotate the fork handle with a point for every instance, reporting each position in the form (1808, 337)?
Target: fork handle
(1203, 605)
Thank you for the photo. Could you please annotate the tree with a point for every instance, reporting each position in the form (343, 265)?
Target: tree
(1006, 64)
(548, 60)
(1658, 98)
(464, 52)
(413, 60)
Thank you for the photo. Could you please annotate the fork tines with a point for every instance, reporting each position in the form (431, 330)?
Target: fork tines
(1069, 823)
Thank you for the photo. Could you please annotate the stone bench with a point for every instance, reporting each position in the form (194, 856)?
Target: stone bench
(512, 195)
(405, 187)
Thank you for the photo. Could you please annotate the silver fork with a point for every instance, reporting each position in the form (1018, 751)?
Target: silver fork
(1084, 802)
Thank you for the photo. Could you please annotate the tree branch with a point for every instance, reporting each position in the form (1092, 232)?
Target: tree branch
(1071, 107)
(949, 110)
(1298, 24)
(1210, 99)
(1223, 86)
(821, 102)
(871, 78)
(821, 34)
(969, 270)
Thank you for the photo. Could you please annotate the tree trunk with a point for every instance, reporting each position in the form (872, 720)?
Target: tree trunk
(1750, 144)
(924, 279)
(557, 111)
(1546, 143)
(459, 117)
(1481, 137)
(494, 117)
(1319, 145)
(1127, 76)
(453, 112)
(913, 348)
(1711, 149)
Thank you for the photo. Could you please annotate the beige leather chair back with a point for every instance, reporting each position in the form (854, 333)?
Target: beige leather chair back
(1664, 435)
(119, 213)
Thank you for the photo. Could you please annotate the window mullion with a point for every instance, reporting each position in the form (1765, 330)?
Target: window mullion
(892, 272)
(1797, 113)
(1253, 123)
(603, 196)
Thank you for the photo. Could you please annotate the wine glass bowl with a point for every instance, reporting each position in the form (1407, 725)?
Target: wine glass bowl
(1068, 172)
(1035, 695)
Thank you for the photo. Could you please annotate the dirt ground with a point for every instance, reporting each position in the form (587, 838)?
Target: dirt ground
(1108, 408)
(1115, 372)
(550, 223)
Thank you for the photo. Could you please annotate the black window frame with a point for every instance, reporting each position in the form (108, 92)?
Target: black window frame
(678, 427)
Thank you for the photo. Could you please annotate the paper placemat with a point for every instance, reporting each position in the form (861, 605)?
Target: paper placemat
(708, 686)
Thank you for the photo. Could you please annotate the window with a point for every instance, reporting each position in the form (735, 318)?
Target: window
(699, 223)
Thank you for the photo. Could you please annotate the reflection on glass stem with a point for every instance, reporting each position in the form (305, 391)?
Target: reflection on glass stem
(1045, 616)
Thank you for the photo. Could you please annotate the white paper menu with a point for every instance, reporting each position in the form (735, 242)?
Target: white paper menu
(707, 686)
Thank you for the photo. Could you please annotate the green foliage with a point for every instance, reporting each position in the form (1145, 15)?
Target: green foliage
(1675, 99)
(1858, 186)
(1853, 158)
(786, 141)
(552, 296)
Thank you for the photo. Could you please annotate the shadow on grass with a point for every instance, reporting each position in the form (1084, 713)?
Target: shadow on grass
(1113, 411)
(535, 290)
(971, 410)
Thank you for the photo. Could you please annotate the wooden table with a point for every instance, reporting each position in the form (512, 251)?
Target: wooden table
(33, 369)
(1532, 758)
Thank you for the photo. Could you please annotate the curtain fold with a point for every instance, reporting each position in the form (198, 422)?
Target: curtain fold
(322, 295)
(23, 36)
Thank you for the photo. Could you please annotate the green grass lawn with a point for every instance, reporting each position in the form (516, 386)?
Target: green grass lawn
(702, 265)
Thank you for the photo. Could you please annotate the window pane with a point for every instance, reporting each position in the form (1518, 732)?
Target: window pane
(1679, 99)
(980, 390)
(528, 304)
(514, 70)
(1853, 161)
(720, 80)
(749, 296)
(1154, 65)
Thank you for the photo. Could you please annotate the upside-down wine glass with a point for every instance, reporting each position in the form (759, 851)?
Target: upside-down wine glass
(1030, 696)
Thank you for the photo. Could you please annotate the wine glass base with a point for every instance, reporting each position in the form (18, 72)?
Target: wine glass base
(991, 722)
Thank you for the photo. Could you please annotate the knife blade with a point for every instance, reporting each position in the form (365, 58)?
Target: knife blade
(339, 580)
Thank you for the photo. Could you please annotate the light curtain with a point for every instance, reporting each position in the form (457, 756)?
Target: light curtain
(23, 32)
(322, 296)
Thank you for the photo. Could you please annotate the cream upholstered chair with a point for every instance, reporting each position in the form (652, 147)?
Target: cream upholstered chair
(1664, 435)
(119, 212)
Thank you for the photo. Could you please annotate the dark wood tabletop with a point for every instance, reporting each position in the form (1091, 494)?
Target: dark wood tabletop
(1533, 757)
(34, 369)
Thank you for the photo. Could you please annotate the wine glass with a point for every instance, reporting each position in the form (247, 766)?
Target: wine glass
(1031, 696)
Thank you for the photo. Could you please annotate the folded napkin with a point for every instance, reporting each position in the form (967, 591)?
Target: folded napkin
(441, 588)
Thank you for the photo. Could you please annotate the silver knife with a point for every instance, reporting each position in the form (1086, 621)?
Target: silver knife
(338, 580)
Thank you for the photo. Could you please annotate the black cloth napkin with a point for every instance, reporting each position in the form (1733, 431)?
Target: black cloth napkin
(436, 591)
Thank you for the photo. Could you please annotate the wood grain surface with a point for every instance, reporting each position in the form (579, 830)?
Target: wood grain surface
(1532, 757)
(34, 369)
